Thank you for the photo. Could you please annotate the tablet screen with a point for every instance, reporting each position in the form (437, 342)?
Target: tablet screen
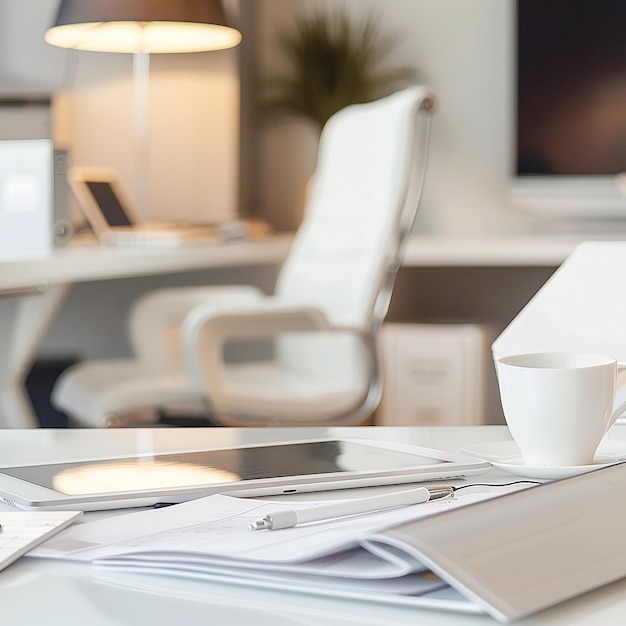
(217, 466)
(109, 204)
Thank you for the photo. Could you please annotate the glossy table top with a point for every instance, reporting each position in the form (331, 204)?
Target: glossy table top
(34, 591)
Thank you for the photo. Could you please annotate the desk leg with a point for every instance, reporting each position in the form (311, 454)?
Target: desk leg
(32, 316)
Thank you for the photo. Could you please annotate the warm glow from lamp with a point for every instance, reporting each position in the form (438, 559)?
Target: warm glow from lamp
(142, 27)
(155, 26)
(139, 475)
(153, 37)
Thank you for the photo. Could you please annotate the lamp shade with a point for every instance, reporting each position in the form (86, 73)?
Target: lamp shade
(155, 26)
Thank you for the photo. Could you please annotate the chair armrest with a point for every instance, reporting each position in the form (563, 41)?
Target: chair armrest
(155, 319)
(207, 328)
(253, 320)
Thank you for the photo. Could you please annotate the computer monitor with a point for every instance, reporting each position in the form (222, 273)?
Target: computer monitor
(570, 101)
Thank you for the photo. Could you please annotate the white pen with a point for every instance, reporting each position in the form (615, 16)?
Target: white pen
(292, 517)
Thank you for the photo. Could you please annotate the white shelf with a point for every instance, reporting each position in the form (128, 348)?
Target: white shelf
(528, 251)
(87, 262)
(78, 263)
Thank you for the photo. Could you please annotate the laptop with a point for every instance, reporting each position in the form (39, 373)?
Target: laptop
(581, 308)
(114, 220)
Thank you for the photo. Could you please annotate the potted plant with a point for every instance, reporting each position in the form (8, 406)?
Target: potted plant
(335, 60)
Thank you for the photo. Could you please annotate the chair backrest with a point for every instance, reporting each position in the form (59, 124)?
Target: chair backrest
(365, 194)
(364, 199)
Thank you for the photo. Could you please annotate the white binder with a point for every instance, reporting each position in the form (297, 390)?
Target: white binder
(522, 552)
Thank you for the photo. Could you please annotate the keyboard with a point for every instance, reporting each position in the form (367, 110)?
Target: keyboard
(23, 530)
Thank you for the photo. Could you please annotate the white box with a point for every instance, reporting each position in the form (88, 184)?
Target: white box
(434, 374)
(26, 190)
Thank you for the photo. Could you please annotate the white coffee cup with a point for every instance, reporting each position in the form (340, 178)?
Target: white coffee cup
(559, 405)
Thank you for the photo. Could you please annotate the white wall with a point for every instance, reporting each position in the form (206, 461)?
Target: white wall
(464, 50)
(28, 65)
(193, 125)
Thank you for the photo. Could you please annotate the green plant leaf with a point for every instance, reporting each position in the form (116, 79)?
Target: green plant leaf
(335, 60)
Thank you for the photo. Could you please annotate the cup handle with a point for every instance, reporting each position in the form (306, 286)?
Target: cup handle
(620, 395)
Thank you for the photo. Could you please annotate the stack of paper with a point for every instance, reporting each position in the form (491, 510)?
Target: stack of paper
(210, 538)
(508, 556)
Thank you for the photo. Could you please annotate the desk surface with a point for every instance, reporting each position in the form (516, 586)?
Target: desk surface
(88, 261)
(84, 262)
(64, 594)
(527, 251)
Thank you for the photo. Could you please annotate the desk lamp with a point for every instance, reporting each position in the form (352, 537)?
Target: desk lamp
(142, 27)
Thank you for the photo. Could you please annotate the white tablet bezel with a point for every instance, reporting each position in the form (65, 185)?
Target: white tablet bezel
(29, 496)
(78, 179)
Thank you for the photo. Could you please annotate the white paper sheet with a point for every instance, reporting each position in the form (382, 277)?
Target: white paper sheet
(215, 531)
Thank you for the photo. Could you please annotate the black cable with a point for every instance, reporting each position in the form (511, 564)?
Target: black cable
(515, 482)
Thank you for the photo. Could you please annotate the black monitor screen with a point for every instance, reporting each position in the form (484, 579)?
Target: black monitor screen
(571, 117)
(109, 204)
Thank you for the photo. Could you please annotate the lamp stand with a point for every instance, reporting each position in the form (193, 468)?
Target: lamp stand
(141, 129)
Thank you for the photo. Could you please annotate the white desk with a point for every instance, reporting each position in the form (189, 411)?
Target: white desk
(41, 285)
(513, 251)
(70, 594)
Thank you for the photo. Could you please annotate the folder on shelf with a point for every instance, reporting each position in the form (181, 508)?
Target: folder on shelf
(507, 556)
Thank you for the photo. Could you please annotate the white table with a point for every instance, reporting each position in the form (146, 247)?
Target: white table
(70, 594)
(40, 286)
(503, 251)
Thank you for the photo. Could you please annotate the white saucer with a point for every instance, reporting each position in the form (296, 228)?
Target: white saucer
(516, 466)
(505, 456)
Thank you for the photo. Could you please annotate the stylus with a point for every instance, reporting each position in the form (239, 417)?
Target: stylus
(292, 517)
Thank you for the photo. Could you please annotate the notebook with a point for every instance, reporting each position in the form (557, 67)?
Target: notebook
(114, 220)
(21, 531)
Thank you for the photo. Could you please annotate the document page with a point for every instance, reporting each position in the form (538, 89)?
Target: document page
(216, 530)
(210, 539)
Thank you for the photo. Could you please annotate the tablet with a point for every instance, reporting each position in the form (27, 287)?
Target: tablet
(101, 199)
(251, 470)
(114, 220)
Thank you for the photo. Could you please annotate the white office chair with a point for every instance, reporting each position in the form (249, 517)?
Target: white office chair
(331, 296)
